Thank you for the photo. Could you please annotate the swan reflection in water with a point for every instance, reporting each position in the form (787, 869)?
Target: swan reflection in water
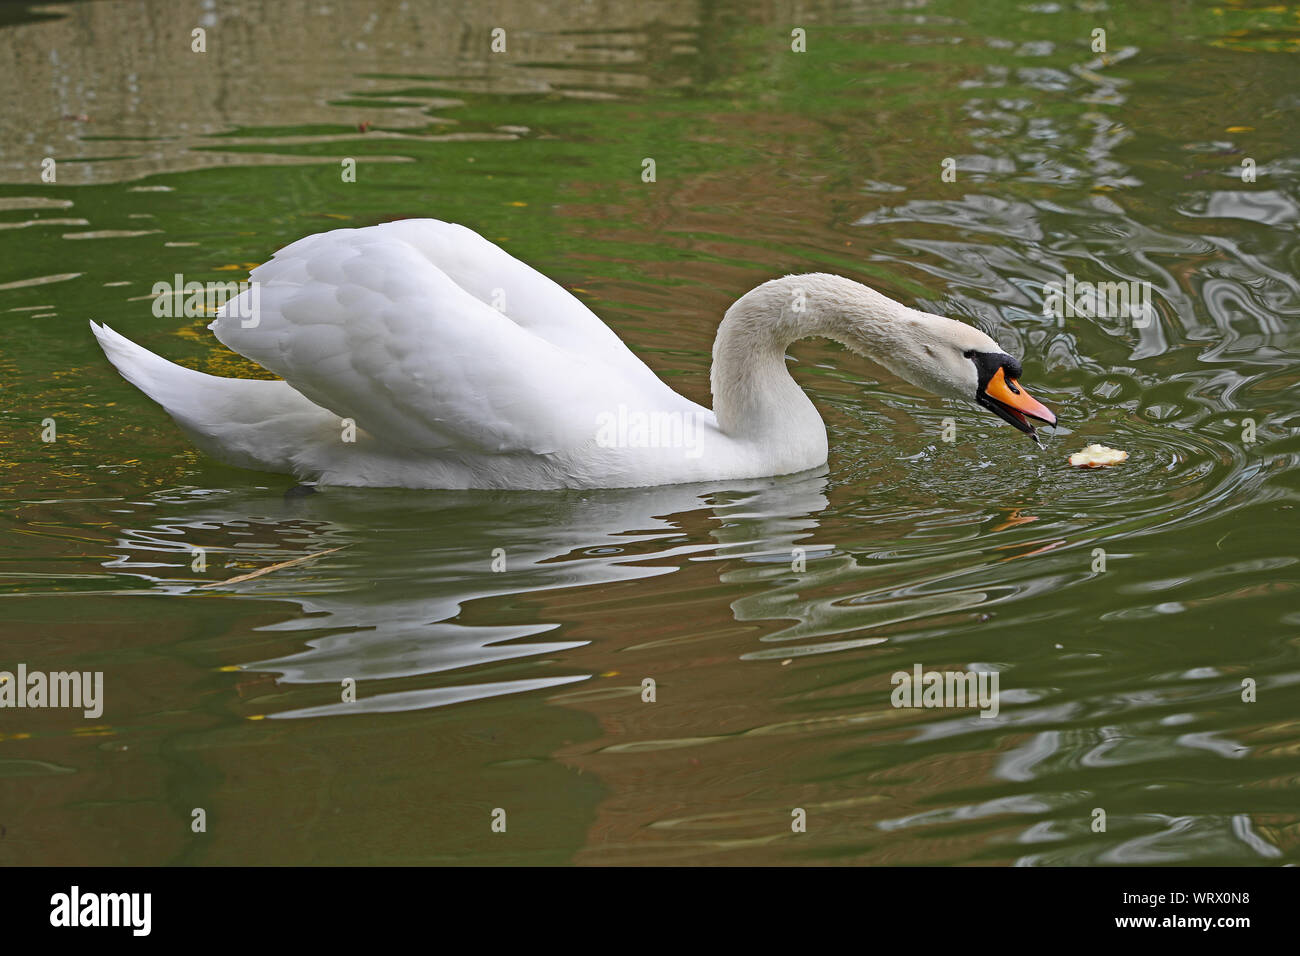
(389, 605)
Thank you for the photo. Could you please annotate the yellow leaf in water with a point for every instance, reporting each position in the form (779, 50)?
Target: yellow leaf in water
(1241, 129)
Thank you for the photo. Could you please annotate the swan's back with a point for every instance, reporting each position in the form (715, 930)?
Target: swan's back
(394, 326)
(483, 269)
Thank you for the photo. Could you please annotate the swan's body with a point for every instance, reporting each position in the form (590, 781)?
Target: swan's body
(418, 354)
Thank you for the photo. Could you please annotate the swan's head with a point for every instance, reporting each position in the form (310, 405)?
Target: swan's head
(955, 360)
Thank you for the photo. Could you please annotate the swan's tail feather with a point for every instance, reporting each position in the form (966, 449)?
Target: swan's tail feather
(263, 425)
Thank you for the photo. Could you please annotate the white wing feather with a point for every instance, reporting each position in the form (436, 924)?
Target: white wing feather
(391, 326)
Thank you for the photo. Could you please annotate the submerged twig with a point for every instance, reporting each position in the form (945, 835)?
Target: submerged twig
(274, 567)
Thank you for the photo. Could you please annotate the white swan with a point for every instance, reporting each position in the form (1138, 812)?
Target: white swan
(418, 354)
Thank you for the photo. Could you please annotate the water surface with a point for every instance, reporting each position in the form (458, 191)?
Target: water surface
(771, 614)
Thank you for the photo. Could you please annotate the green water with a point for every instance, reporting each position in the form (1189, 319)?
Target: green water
(521, 690)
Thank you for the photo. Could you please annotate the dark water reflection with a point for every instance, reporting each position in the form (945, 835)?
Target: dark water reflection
(770, 614)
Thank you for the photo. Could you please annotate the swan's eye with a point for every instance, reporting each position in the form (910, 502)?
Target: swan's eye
(969, 353)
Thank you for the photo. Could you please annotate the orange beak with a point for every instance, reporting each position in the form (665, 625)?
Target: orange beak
(1015, 404)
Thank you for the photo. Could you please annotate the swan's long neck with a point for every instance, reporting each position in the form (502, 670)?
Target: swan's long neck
(754, 396)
